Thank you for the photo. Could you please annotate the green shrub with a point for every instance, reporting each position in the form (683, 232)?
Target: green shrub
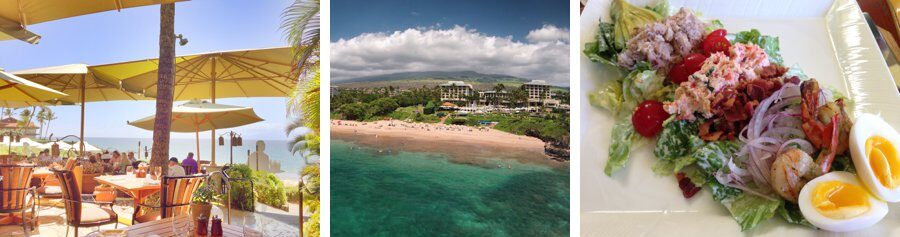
(270, 190)
(241, 193)
(293, 194)
(458, 121)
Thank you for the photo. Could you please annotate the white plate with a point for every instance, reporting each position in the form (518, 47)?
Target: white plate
(829, 40)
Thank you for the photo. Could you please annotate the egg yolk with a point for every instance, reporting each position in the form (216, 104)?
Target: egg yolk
(840, 200)
(884, 161)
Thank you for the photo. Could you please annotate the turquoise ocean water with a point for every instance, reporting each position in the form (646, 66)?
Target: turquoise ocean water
(424, 194)
(276, 149)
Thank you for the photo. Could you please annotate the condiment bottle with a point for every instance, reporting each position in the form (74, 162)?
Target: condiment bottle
(216, 230)
(202, 226)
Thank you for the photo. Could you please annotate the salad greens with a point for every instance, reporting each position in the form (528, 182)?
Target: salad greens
(714, 25)
(677, 140)
(661, 8)
(603, 50)
(750, 210)
(678, 147)
(790, 212)
(622, 136)
(767, 43)
(621, 96)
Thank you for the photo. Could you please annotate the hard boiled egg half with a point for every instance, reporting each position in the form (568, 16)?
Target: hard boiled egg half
(873, 145)
(838, 202)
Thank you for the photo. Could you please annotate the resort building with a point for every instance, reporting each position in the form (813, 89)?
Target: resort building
(12, 125)
(456, 92)
(493, 98)
(539, 92)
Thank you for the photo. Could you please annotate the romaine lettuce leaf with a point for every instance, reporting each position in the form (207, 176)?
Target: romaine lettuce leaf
(661, 8)
(677, 140)
(790, 212)
(609, 97)
(714, 25)
(622, 138)
(721, 192)
(603, 49)
(767, 43)
(712, 156)
(750, 210)
(621, 96)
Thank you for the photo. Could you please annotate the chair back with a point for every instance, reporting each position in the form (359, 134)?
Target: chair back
(189, 169)
(71, 195)
(70, 163)
(15, 186)
(176, 193)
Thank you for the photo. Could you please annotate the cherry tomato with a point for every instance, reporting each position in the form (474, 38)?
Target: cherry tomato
(648, 118)
(719, 32)
(678, 74)
(714, 44)
(694, 61)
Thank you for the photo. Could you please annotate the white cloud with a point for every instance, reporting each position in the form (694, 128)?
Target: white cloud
(453, 49)
(548, 33)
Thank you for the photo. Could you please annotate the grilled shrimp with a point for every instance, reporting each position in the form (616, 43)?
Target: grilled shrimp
(826, 126)
(790, 171)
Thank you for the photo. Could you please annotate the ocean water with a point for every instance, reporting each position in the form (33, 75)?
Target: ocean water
(425, 194)
(276, 149)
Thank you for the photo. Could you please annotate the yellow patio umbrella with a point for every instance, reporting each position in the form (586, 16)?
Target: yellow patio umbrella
(16, 91)
(196, 116)
(17, 15)
(242, 73)
(81, 84)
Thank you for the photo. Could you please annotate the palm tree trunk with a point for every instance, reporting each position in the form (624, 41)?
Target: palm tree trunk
(162, 124)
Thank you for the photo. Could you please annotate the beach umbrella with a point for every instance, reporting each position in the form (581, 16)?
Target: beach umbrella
(87, 147)
(62, 145)
(227, 74)
(196, 117)
(19, 91)
(81, 84)
(17, 15)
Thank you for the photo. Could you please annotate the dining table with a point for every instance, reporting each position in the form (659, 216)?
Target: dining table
(169, 226)
(42, 173)
(138, 188)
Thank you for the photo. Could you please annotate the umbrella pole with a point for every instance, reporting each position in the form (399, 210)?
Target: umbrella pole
(212, 133)
(81, 135)
(197, 142)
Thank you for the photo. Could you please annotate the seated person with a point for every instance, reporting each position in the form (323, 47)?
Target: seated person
(189, 161)
(174, 168)
(44, 158)
(93, 166)
(106, 155)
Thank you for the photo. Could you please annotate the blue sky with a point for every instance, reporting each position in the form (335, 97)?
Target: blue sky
(527, 39)
(500, 18)
(133, 34)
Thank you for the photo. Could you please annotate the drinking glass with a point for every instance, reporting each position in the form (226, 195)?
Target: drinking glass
(250, 232)
(182, 227)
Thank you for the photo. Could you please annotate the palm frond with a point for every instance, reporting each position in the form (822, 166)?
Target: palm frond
(301, 26)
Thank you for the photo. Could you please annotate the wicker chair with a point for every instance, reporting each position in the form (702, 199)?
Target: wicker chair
(175, 198)
(80, 210)
(16, 193)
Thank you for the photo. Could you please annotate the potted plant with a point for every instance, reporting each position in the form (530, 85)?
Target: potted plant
(201, 202)
(105, 193)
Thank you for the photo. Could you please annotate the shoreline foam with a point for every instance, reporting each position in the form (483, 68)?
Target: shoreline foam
(462, 143)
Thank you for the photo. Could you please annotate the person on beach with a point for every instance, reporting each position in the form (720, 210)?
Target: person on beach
(174, 169)
(191, 163)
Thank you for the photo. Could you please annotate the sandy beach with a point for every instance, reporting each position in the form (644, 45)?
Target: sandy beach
(464, 144)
